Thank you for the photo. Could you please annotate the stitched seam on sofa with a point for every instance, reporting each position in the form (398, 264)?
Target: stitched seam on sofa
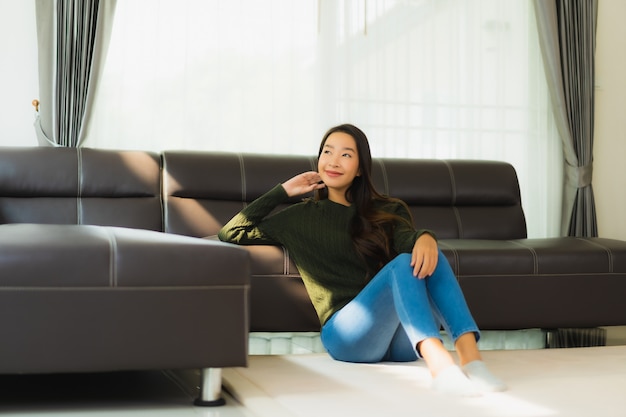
(607, 250)
(165, 198)
(534, 253)
(453, 199)
(452, 181)
(285, 261)
(290, 275)
(560, 274)
(136, 288)
(79, 182)
(162, 197)
(242, 170)
(112, 258)
(455, 254)
(459, 224)
(383, 168)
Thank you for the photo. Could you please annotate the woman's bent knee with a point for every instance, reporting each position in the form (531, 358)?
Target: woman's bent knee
(403, 259)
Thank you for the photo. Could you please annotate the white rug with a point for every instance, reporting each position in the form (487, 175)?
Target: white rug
(548, 382)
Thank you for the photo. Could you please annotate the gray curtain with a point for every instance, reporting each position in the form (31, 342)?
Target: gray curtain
(72, 38)
(567, 33)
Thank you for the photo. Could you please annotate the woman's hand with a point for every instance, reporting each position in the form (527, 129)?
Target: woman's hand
(424, 256)
(303, 183)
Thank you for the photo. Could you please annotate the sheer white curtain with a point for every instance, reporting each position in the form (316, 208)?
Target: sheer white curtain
(422, 78)
(18, 72)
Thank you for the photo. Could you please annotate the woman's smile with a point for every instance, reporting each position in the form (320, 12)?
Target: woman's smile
(333, 174)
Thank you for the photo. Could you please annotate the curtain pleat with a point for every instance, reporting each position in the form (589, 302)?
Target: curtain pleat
(567, 33)
(75, 31)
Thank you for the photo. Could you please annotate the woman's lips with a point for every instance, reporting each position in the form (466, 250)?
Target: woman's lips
(333, 174)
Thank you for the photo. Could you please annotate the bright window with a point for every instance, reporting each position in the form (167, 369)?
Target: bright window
(422, 78)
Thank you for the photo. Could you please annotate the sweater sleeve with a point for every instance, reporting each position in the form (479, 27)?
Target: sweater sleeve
(245, 227)
(404, 234)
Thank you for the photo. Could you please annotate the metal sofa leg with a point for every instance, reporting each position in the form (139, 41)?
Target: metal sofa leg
(210, 388)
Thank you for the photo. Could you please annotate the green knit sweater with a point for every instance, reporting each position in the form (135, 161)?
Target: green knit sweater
(317, 236)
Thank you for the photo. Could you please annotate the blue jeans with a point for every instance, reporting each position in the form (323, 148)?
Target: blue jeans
(396, 311)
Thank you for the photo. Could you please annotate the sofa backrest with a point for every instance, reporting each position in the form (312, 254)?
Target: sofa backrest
(456, 198)
(203, 190)
(195, 193)
(81, 186)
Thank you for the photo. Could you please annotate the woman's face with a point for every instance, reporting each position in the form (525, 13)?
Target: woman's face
(338, 165)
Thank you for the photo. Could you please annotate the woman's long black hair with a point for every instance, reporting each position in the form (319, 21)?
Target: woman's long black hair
(371, 229)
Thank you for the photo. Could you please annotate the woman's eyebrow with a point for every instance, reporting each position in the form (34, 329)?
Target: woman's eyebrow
(343, 149)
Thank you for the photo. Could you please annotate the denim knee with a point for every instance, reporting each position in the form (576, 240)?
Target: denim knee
(403, 259)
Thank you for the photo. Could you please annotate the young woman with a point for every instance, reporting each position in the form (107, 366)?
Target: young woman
(380, 287)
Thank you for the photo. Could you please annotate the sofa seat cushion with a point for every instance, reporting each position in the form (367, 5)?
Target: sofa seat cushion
(540, 282)
(41, 255)
(567, 255)
(95, 298)
(278, 300)
(509, 284)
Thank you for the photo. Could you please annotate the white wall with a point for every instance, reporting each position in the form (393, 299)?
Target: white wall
(609, 172)
(18, 72)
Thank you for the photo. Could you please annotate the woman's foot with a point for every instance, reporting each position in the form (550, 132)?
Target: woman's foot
(484, 380)
(453, 381)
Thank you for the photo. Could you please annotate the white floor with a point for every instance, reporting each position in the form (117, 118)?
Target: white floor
(544, 382)
(575, 382)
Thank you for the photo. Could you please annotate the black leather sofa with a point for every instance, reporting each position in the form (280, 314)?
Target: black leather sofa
(510, 281)
(89, 282)
(107, 260)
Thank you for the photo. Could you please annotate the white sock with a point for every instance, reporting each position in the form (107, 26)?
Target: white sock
(453, 381)
(478, 373)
